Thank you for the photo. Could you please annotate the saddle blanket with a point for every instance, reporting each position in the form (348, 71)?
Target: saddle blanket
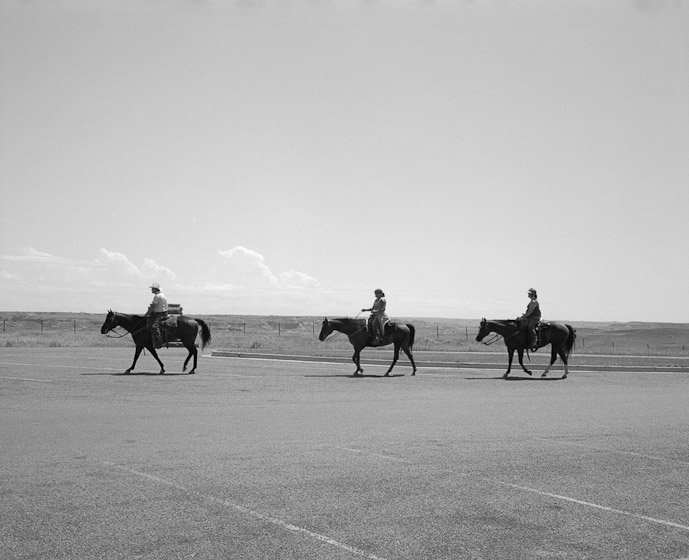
(170, 322)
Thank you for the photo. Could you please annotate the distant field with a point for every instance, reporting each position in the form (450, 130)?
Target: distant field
(299, 335)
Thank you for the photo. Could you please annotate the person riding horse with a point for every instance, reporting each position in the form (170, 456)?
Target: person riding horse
(157, 312)
(529, 320)
(378, 318)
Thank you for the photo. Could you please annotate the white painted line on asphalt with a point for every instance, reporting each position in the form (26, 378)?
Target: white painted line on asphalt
(251, 513)
(29, 379)
(589, 504)
(53, 366)
(539, 492)
(607, 450)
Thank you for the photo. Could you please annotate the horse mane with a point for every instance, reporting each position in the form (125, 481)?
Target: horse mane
(349, 320)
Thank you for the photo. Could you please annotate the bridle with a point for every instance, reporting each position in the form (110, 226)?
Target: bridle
(493, 340)
(497, 336)
(116, 336)
(339, 333)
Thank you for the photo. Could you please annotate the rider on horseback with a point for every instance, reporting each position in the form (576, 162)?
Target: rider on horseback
(529, 320)
(157, 312)
(378, 318)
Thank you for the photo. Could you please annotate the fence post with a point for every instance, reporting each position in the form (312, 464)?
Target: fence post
(41, 326)
(3, 324)
(278, 329)
(75, 326)
(437, 332)
(466, 330)
(244, 328)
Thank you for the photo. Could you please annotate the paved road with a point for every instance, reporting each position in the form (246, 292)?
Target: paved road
(256, 459)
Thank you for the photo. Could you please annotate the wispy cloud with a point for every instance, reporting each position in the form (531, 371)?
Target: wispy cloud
(240, 281)
(245, 267)
(148, 270)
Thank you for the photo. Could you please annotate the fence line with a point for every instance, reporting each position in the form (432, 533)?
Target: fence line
(429, 332)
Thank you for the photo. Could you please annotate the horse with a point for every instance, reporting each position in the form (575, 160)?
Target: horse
(399, 334)
(186, 330)
(559, 335)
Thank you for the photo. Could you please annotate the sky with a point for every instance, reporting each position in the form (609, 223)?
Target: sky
(288, 157)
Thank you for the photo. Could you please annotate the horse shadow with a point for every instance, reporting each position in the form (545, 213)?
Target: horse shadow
(516, 378)
(354, 376)
(136, 373)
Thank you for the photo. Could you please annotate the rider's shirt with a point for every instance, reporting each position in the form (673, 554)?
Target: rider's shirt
(379, 307)
(533, 310)
(159, 303)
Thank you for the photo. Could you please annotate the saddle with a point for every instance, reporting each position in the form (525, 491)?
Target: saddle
(170, 322)
(167, 329)
(542, 326)
(388, 326)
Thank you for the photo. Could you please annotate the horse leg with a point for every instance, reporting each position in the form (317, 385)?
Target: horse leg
(563, 355)
(553, 357)
(137, 353)
(520, 355)
(510, 357)
(394, 359)
(355, 359)
(153, 352)
(407, 351)
(192, 352)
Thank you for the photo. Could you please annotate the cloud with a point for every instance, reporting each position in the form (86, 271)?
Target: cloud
(36, 280)
(296, 279)
(119, 261)
(247, 268)
(147, 271)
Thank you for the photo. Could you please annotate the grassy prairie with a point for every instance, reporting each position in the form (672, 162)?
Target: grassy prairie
(435, 337)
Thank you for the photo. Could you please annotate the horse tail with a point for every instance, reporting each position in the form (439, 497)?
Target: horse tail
(412, 332)
(569, 344)
(205, 333)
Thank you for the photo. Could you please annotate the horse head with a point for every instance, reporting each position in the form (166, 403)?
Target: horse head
(326, 330)
(110, 322)
(483, 330)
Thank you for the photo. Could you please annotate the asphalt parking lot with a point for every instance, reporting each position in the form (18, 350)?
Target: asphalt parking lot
(297, 460)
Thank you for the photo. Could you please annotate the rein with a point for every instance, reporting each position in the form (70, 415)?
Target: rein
(109, 335)
(334, 336)
(497, 336)
(493, 340)
(116, 336)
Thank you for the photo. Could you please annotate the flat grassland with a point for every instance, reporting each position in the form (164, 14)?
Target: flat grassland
(436, 338)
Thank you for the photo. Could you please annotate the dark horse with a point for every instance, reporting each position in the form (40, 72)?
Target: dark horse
(559, 335)
(399, 334)
(187, 329)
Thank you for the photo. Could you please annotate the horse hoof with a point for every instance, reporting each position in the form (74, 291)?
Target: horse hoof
(527, 372)
(505, 375)
(192, 372)
(413, 373)
(544, 375)
(128, 371)
(162, 371)
(387, 374)
(564, 376)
